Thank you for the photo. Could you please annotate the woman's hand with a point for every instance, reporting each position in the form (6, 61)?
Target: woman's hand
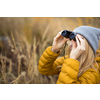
(59, 42)
(77, 48)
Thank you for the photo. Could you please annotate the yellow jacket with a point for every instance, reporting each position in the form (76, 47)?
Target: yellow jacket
(50, 65)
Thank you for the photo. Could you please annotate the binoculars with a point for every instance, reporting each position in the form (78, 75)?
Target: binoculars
(68, 34)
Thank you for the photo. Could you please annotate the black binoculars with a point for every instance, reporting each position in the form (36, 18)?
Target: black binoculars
(68, 34)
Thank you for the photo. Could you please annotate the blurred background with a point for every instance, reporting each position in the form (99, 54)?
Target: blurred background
(23, 40)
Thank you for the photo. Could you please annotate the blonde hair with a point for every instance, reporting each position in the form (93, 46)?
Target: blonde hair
(87, 59)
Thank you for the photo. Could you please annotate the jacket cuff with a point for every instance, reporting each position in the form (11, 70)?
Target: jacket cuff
(51, 53)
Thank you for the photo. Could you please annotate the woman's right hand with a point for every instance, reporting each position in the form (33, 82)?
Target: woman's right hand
(78, 49)
(59, 42)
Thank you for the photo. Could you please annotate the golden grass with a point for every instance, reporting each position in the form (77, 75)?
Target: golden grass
(24, 69)
(13, 40)
(10, 67)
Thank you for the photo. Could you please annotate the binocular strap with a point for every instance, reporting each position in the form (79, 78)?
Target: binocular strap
(64, 49)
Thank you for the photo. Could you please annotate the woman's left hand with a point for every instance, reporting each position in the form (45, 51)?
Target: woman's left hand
(78, 47)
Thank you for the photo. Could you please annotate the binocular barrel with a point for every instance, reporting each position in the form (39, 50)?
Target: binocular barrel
(68, 34)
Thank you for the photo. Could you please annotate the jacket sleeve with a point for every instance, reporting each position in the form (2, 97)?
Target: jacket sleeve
(69, 73)
(97, 59)
(49, 64)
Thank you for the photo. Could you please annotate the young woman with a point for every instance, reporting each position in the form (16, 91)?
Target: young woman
(81, 65)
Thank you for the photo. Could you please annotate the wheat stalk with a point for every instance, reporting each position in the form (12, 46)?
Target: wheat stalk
(45, 32)
(16, 80)
(52, 80)
(10, 67)
(19, 62)
(3, 70)
(35, 59)
(13, 40)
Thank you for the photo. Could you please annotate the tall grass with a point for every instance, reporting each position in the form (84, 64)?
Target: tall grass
(22, 66)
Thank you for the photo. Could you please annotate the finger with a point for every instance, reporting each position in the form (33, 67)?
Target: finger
(78, 44)
(58, 33)
(61, 31)
(82, 43)
(59, 36)
(80, 36)
(81, 39)
(74, 44)
(65, 40)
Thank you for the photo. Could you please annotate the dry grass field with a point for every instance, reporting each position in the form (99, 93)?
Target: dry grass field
(22, 42)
